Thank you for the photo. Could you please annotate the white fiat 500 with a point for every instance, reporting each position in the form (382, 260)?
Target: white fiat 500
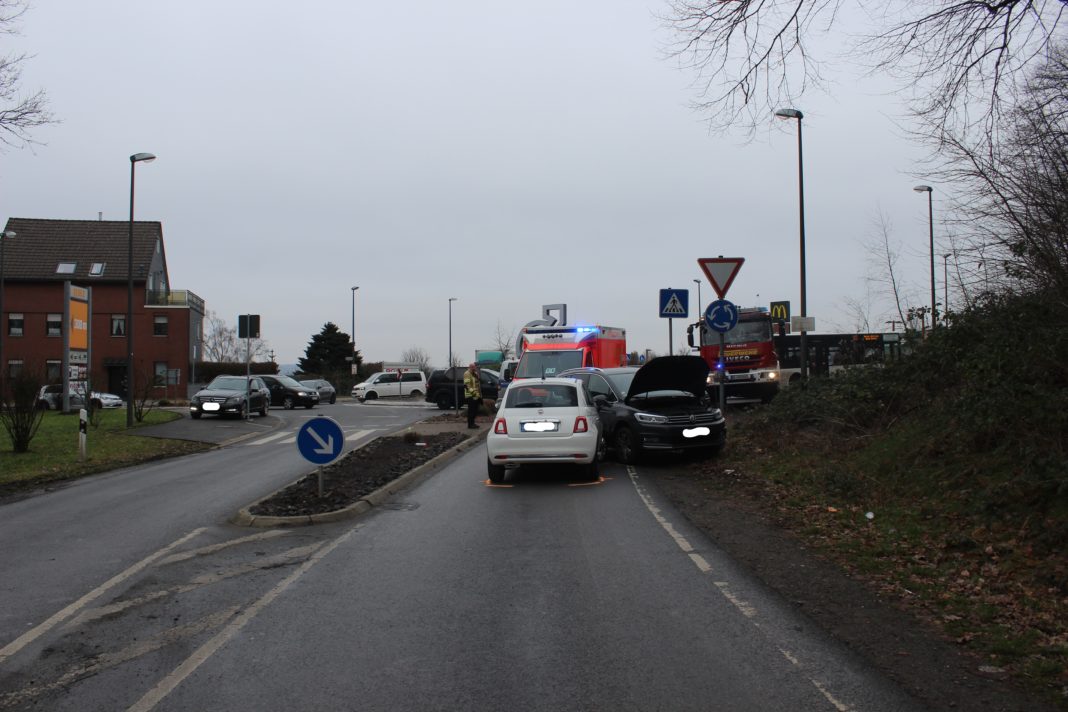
(547, 420)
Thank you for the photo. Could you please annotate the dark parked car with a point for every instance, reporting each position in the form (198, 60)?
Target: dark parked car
(289, 392)
(446, 386)
(226, 395)
(327, 393)
(663, 405)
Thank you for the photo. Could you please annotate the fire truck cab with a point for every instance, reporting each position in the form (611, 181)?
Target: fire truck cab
(749, 366)
(548, 350)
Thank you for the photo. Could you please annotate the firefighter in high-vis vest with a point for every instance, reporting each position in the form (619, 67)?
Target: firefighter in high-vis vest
(472, 393)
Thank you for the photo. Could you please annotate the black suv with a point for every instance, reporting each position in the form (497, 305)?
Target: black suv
(446, 386)
(663, 405)
(289, 392)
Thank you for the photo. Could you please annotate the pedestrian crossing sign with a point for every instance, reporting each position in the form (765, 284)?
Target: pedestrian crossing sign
(674, 303)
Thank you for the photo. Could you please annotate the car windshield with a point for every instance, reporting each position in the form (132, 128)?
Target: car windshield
(287, 381)
(228, 383)
(621, 380)
(538, 364)
(541, 395)
(744, 332)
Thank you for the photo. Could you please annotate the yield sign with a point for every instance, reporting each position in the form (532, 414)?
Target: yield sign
(721, 272)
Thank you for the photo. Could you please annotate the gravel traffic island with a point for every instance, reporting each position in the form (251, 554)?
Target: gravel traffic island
(362, 479)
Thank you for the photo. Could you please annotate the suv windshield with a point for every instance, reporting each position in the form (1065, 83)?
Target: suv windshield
(536, 364)
(291, 382)
(228, 383)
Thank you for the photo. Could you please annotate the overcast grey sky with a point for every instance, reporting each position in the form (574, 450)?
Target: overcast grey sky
(507, 154)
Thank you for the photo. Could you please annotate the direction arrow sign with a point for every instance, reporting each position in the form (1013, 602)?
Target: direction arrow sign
(320, 440)
(721, 272)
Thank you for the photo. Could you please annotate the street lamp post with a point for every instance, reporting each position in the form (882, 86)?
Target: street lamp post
(354, 289)
(930, 227)
(134, 160)
(795, 114)
(4, 237)
(700, 314)
(945, 282)
(448, 366)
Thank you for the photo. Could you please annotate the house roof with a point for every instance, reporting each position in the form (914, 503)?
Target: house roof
(40, 246)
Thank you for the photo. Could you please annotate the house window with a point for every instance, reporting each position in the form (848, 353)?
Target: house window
(14, 324)
(53, 371)
(14, 368)
(54, 325)
(66, 267)
(159, 326)
(118, 325)
(97, 269)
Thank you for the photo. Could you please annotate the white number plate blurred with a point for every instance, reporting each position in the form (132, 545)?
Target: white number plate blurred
(210, 406)
(695, 432)
(539, 426)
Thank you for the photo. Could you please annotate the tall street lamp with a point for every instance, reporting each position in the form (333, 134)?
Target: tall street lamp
(134, 160)
(795, 114)
(354, 289)
(448, 366)
(4, 237)
(700, 312)
(945, 281)
(930, 225)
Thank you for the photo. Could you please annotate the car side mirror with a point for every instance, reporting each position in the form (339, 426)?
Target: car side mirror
(600, 400)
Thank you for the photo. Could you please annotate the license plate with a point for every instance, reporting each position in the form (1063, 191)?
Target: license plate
(210, 406)
(539, 426)
(695, 432)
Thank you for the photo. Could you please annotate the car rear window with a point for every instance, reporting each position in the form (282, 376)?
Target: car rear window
(541, 395)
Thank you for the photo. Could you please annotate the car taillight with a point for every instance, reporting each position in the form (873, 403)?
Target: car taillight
(581, 426)
(500, 427)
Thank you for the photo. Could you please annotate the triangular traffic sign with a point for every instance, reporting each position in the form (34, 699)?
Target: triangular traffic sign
(721, 272)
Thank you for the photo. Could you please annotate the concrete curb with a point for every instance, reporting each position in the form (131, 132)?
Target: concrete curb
(245, 518)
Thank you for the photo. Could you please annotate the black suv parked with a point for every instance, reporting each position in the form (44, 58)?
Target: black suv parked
(446, 386)
(289, 392)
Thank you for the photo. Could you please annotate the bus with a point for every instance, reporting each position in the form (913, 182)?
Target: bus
(830, 353)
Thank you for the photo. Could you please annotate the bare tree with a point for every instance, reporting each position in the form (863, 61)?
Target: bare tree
(1012, 209)
(504, 341)
(960, 59)
(883, 255)
(19, 113)
(420, 357)
(222, 345)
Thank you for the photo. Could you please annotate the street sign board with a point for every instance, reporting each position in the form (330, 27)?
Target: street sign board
(721, 272)
(248, 326)
(320, 440)
(721, 316)
(802, 323)
(674, 303)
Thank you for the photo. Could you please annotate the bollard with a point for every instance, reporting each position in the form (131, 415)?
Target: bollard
(83, 431)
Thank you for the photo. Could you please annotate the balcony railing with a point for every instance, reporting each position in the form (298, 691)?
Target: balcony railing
(176, 298)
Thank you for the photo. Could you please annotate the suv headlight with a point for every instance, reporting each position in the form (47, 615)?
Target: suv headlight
(650, 418)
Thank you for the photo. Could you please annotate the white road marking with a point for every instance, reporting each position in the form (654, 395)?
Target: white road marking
(204, 550)
(269, 438)
(702, 564)
(356, 435)
(165, 686)
(31, 635)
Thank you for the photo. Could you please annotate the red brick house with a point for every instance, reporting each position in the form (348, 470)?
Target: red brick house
(44, 254)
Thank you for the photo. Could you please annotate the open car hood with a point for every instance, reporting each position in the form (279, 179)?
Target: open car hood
(670, 373)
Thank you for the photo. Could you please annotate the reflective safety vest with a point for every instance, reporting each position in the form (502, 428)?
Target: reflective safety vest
(472, 388)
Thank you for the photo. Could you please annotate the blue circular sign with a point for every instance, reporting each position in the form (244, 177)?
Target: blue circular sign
(320, 440)
(721, 316)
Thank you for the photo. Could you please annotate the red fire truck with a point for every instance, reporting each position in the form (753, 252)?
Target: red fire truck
(750, 366)
(548, 350)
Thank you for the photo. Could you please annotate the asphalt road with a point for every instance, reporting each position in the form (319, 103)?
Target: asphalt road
(544, 594)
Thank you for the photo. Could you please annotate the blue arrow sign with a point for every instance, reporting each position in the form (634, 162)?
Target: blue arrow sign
(721, 316)
(674, 303)
(320, 440)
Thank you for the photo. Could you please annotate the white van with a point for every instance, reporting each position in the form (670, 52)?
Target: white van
(390, 383)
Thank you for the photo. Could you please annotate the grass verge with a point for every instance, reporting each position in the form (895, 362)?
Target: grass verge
(53, 454)
(943, 532)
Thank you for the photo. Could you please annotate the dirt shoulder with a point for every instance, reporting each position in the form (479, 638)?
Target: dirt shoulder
(894, 638)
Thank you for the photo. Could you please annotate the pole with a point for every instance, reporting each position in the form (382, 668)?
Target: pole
(722, 373)
(930, 223)
(945, 283)
(248, 366)
(804, 288)
(354, 325)
(671, 338)
(129, 305)
(3, 322)
(455, 395)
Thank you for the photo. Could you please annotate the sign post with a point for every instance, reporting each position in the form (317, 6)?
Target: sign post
(674, 304)
(320, 441)
(721, 316)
